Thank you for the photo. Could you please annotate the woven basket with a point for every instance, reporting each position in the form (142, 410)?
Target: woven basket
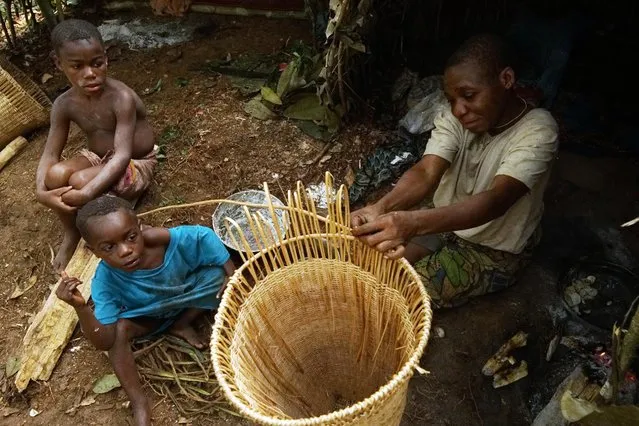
(23, 106)
(318, 328)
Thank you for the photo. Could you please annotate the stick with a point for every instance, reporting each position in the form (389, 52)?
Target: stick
(11, 150)
(237, 203)
(321, 154)
(630, 223)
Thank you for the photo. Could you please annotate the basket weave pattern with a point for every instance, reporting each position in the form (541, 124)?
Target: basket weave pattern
(23, 106)
(318, 328)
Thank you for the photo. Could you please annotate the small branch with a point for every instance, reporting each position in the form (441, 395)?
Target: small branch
(340, 76)
(323, 152)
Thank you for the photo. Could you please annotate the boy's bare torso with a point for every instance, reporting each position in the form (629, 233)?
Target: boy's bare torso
(97, 118)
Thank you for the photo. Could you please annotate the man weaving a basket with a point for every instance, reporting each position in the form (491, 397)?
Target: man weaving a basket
(486, 165)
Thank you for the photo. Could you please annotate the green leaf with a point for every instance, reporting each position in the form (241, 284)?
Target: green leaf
(154, 89)
(12, 366)
(269, 95)
(313, 130)
(291, 79)
(331, 120)
(257, 109)
(285, 78)
(246, 86)
(307, 107)
(106, 384)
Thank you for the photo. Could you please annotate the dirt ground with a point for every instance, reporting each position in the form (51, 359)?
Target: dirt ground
(214, 149)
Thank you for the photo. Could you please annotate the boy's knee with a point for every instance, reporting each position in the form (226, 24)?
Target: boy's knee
(78, 180)
(124, 329)
(58, 176)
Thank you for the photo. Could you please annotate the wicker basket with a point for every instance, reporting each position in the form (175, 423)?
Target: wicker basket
(23, 106)
(318, 328)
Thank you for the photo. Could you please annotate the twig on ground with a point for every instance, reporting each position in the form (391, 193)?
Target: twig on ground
(324, 150)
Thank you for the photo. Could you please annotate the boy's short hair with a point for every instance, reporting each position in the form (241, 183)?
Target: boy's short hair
(489, 52)
(72, 30)
(101, 206)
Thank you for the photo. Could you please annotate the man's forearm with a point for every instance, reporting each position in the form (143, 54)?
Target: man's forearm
(410, 190)
(470, 213)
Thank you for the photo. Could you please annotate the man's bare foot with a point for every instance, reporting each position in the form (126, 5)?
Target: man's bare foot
(141, 413)
(66, 250)
(189, 334)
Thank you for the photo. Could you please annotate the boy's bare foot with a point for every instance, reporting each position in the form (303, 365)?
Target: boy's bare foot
(189, 334)
(141, 413)
(66, 250)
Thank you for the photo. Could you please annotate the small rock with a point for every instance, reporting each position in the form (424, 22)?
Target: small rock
(325, 158)
(609, 303)
(439, 332)
(46, 77)
(571, 297)
(591, 279)
(33, 412)
(337, 148)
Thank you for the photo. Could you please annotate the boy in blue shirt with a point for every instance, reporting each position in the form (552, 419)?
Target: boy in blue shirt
(149, 280)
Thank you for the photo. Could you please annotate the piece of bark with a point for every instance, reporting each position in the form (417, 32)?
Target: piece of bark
(52, 327)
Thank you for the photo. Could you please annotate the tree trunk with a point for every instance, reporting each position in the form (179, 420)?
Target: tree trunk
(34, 20)
(58, 5)
(5, 30)
(23, 9)
(48, 13)
(12, 27)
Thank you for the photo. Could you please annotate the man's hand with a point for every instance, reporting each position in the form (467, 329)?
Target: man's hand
(68, 291)
(366, 215)
(76, 197)
(53, 199)
(388, 233)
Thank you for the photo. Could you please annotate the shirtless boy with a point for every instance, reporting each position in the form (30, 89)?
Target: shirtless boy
(120, 156)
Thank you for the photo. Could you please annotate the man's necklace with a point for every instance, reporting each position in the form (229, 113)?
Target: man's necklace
(523, 111)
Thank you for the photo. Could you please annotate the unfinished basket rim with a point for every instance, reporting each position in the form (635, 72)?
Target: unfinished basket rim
(217, 219)
(360, 407)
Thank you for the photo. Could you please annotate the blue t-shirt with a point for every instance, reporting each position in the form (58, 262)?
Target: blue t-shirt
(189, 277)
